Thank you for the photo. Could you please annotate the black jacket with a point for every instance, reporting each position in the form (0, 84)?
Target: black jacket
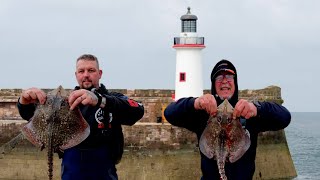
(271, 116)
(120, 108)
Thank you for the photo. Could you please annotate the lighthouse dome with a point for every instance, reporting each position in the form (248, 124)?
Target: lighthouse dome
(188, 16)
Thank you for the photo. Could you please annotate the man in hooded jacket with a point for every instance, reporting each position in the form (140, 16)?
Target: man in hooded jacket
(193, 113)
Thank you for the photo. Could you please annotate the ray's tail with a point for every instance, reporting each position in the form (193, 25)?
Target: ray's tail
(50, 152)
(222, 173)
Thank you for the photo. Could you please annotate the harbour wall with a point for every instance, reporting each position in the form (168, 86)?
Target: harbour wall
(154, 149)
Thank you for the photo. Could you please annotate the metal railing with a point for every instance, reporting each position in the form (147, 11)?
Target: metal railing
(188, 40)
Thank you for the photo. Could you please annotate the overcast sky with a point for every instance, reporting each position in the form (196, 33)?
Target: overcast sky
(271, 42)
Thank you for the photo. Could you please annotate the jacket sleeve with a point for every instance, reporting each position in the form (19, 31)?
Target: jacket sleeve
(272, 117)
(125, 111)
(183, 114)
(26, 111)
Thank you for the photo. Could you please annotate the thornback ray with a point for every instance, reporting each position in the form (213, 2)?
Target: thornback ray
(53, 126)
(224, 139)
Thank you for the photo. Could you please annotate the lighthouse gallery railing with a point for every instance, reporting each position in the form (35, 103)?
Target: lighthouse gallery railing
(189, 40)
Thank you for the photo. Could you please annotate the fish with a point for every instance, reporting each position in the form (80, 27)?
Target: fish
(54, 126)
(224, 139)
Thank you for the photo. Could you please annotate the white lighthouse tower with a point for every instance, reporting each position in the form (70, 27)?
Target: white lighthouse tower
(188, 59)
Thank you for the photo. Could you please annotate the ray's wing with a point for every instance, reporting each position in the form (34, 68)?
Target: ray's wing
(239, 141)
(36, 129)
(71, 128)
(209, 139)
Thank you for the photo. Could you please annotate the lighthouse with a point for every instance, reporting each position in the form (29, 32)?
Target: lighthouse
(188, 80)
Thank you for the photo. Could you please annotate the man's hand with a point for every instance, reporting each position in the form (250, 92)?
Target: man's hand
(32, 95)
(245, 109)
(82, 96)
(206, 102)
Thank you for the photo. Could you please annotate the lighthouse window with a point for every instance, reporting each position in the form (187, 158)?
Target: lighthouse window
(182, 77)
(189, 26)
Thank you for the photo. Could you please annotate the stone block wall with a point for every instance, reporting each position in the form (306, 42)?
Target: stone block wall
(273, 159)
(154, 100)
(270, 93)
(8, 110)
(9, 129)
(152, 130)
(158, 136)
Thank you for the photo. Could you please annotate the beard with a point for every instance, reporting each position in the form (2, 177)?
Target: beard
(88, 88)
(86, 85)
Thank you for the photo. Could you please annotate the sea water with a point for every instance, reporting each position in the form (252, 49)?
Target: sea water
(303, 137)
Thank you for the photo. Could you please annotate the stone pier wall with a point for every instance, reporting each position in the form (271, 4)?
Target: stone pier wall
(143, 141)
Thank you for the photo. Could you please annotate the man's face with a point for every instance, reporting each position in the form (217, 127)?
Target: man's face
(224, 84)
(88, 74)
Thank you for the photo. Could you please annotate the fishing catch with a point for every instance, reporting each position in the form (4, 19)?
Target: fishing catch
(224, 139)
(54, 126)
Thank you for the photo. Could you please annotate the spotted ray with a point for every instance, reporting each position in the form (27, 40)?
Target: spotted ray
(224, 139)
(53, 126)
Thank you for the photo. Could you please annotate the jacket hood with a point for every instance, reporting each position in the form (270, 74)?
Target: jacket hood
(224, 65)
